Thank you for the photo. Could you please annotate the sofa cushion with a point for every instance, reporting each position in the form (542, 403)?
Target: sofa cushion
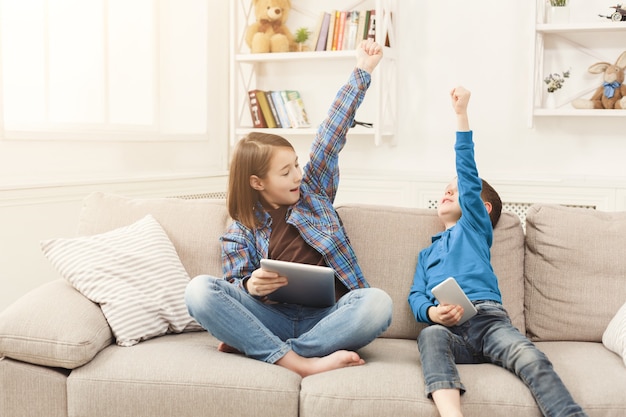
(387, 241)
(193, 226)
(28, 381)
(391, 383)
(614, 337)
(575, 271)
(53, 325)
(181, 375)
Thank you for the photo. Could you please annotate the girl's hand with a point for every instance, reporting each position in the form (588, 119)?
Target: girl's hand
(369, 54)
(262, 283)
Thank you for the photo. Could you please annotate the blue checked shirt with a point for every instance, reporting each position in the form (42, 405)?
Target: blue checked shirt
(313, 215)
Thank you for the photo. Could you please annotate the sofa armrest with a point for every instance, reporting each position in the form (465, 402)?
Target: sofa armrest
(53, 325)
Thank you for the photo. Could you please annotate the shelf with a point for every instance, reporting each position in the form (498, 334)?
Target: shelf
(581, 27)
(304, 56)
(315, 74)
(573, 47)
(580, 112)
(357, 130)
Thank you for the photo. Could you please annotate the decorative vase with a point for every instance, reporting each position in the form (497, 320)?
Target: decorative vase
(550, 101)
(558, 15)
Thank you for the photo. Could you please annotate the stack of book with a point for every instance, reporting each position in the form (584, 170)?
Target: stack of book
(340, 29)
(277, 109)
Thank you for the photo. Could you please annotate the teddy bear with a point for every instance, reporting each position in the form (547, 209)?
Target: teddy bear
(612, 93)
(269, 33)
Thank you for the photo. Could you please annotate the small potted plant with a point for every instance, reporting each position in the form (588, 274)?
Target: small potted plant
(558, 12)
(554, 82)
(301, 36)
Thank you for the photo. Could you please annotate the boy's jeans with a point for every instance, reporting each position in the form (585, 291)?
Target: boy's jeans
(490, 337)
(268, 331)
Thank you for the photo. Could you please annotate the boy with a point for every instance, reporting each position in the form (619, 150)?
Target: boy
(470, 209)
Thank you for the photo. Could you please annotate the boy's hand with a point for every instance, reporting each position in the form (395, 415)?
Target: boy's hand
(460, 97)
(368, 55)
(446, 314)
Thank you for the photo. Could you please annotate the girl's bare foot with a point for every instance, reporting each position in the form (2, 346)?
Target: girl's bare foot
(310, 366)
(223, 347)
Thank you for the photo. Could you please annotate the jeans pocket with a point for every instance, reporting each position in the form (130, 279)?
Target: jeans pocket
(491, 309)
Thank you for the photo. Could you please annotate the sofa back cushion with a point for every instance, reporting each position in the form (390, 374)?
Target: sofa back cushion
(575, 271)
(387, 241)
(193, 226)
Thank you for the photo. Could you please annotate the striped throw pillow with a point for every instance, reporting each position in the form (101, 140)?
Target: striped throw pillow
(133, 273)
(614, 337)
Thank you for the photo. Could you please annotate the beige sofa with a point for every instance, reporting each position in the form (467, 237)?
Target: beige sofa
(562, 281)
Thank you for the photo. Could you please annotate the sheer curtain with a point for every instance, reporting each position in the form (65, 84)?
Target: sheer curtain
(104, 69)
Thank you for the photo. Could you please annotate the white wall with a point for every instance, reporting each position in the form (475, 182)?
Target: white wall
(487, 46)
(484, 45)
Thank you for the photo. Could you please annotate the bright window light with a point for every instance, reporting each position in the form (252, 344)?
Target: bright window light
(104, 68)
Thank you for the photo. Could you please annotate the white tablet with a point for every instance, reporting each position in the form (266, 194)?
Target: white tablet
(309, 285)
(449, 292)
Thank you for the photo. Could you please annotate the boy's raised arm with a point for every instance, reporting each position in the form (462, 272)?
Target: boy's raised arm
(460, 98)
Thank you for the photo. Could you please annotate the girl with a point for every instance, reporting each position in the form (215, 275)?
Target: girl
(283, 213)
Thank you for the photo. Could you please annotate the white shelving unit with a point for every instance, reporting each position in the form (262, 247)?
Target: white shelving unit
(573, 46)
(317, 75)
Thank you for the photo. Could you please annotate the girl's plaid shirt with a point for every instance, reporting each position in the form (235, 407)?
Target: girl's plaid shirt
(313, 215)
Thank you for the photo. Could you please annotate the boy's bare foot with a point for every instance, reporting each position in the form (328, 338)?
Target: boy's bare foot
(223, 347)
(310, 366)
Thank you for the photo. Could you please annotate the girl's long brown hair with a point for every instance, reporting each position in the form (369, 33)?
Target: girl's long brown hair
(251, 156)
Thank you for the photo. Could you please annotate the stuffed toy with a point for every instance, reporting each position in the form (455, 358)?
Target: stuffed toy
(612, 93)
(269, 33)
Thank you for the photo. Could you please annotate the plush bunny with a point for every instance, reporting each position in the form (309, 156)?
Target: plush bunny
(612, 93)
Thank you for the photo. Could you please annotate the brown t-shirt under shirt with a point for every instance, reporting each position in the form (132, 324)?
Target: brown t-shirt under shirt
(286, 244)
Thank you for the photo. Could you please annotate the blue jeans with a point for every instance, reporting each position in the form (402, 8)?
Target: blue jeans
(489, 337)
(268, 331)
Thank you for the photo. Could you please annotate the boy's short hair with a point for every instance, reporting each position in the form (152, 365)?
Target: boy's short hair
(489, 194)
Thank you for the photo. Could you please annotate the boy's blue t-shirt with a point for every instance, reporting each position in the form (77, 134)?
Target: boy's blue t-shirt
(462, 251)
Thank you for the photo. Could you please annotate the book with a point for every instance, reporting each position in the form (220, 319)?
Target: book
(323, 36)
(295, 109)
(277, 98)
(270, 101)
(352, 24)
(371, 31)
(341, 27)
(331, 30)
(265, 108)
(256, 113)
(361, 27)
(366, 24)
(317, 31)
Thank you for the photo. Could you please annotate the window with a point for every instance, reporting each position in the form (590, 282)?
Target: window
(104, 69)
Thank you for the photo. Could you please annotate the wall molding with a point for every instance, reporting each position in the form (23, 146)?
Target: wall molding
(415, 190)
(148, 186)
